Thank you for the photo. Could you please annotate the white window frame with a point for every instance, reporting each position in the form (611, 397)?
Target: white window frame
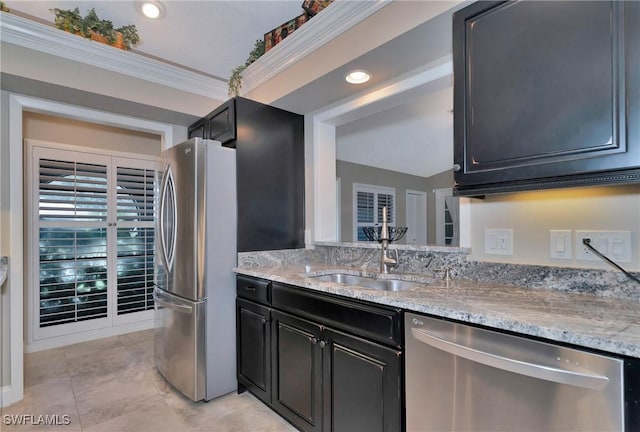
(376, 190)
(441, 239)
(35, 333)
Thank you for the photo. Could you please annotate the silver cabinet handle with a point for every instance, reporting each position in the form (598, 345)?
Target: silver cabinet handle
(548, 373)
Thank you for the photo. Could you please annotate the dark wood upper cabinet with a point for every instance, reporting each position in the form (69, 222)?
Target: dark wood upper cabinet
(219, 125)
(546, 94)
(269, 145)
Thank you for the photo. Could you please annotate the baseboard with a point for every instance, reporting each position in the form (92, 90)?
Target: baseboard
(60, 341)
(9, 395)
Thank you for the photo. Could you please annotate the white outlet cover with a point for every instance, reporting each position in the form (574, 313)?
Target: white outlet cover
(615, 245)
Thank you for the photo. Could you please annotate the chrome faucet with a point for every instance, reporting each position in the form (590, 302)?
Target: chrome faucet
(386, 262)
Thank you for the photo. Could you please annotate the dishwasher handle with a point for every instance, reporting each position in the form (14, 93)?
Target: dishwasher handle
(548, 373)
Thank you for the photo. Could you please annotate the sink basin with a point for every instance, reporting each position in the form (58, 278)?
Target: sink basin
(345, 279)
(367, 282)
(393, 284)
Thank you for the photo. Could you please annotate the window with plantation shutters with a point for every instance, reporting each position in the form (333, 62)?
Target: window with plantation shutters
(72, 215)
(368, 202)
(92, 241)
(135, 239)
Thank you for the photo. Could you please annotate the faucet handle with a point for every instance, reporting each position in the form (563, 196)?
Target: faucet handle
(446, 270)
(397, 263)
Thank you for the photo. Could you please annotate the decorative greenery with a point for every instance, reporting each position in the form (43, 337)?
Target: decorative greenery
(92, 27)
(235, 80)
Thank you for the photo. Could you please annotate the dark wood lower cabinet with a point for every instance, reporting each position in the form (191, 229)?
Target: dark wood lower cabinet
(362, 388)
(326, 380)
(254, 348)
(313, 358)
(297, 371)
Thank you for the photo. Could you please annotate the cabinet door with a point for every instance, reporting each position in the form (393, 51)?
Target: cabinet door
(254, 348)
(362, 385)
(543, 91)
(297, 371)
(198, 129)
(222, 123)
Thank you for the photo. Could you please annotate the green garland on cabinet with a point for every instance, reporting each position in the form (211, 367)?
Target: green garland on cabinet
(235, 80)
(92, 27)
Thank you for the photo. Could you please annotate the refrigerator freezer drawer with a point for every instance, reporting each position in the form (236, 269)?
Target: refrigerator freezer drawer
(180, 343)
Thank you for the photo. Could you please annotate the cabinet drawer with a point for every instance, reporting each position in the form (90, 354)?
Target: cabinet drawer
(373, 322)
(253, 289)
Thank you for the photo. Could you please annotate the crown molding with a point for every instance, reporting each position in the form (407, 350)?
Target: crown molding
(40, 37)
(321, 29)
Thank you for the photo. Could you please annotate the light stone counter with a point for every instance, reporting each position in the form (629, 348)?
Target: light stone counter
(604, 323)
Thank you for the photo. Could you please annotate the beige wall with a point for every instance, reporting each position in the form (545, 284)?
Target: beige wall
(44, 127)
(532, 214)
(350, 173)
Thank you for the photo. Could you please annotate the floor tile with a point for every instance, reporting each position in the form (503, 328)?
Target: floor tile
(93, 347)
(106, 361)
(112, 385)
(44, 366)
(53, 398)
(119, 396)
(152, 416)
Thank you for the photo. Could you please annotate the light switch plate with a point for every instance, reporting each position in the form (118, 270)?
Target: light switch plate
(498, 241)
(560, 244)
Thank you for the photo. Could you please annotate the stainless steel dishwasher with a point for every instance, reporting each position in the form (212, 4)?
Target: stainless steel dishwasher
(462, 378)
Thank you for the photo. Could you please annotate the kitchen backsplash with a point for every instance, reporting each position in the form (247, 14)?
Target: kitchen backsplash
(427, 260)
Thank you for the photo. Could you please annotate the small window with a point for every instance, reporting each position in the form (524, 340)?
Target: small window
(367, 208)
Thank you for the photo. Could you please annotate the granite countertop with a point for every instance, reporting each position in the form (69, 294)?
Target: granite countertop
(602, 323)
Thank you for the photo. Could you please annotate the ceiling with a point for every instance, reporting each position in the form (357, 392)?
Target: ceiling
(211, 37)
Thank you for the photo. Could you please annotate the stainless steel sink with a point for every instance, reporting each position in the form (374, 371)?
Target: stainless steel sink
(393, 284)
(344, 279)
(367, 282)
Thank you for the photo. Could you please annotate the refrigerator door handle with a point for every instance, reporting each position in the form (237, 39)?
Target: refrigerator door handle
(168, 244)
(172, 305)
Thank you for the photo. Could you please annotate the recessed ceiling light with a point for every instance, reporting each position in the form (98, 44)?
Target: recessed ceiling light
(150, 9)
(357, 77)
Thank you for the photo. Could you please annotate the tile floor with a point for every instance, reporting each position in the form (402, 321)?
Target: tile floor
(112, 385)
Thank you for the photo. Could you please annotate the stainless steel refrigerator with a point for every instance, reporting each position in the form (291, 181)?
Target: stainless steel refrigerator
(195, 285)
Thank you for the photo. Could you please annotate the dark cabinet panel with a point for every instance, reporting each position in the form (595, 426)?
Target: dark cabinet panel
(270, 164)
(254, 348)
(270, 167)
(544, 94)
(362, 387)
(297, 371)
